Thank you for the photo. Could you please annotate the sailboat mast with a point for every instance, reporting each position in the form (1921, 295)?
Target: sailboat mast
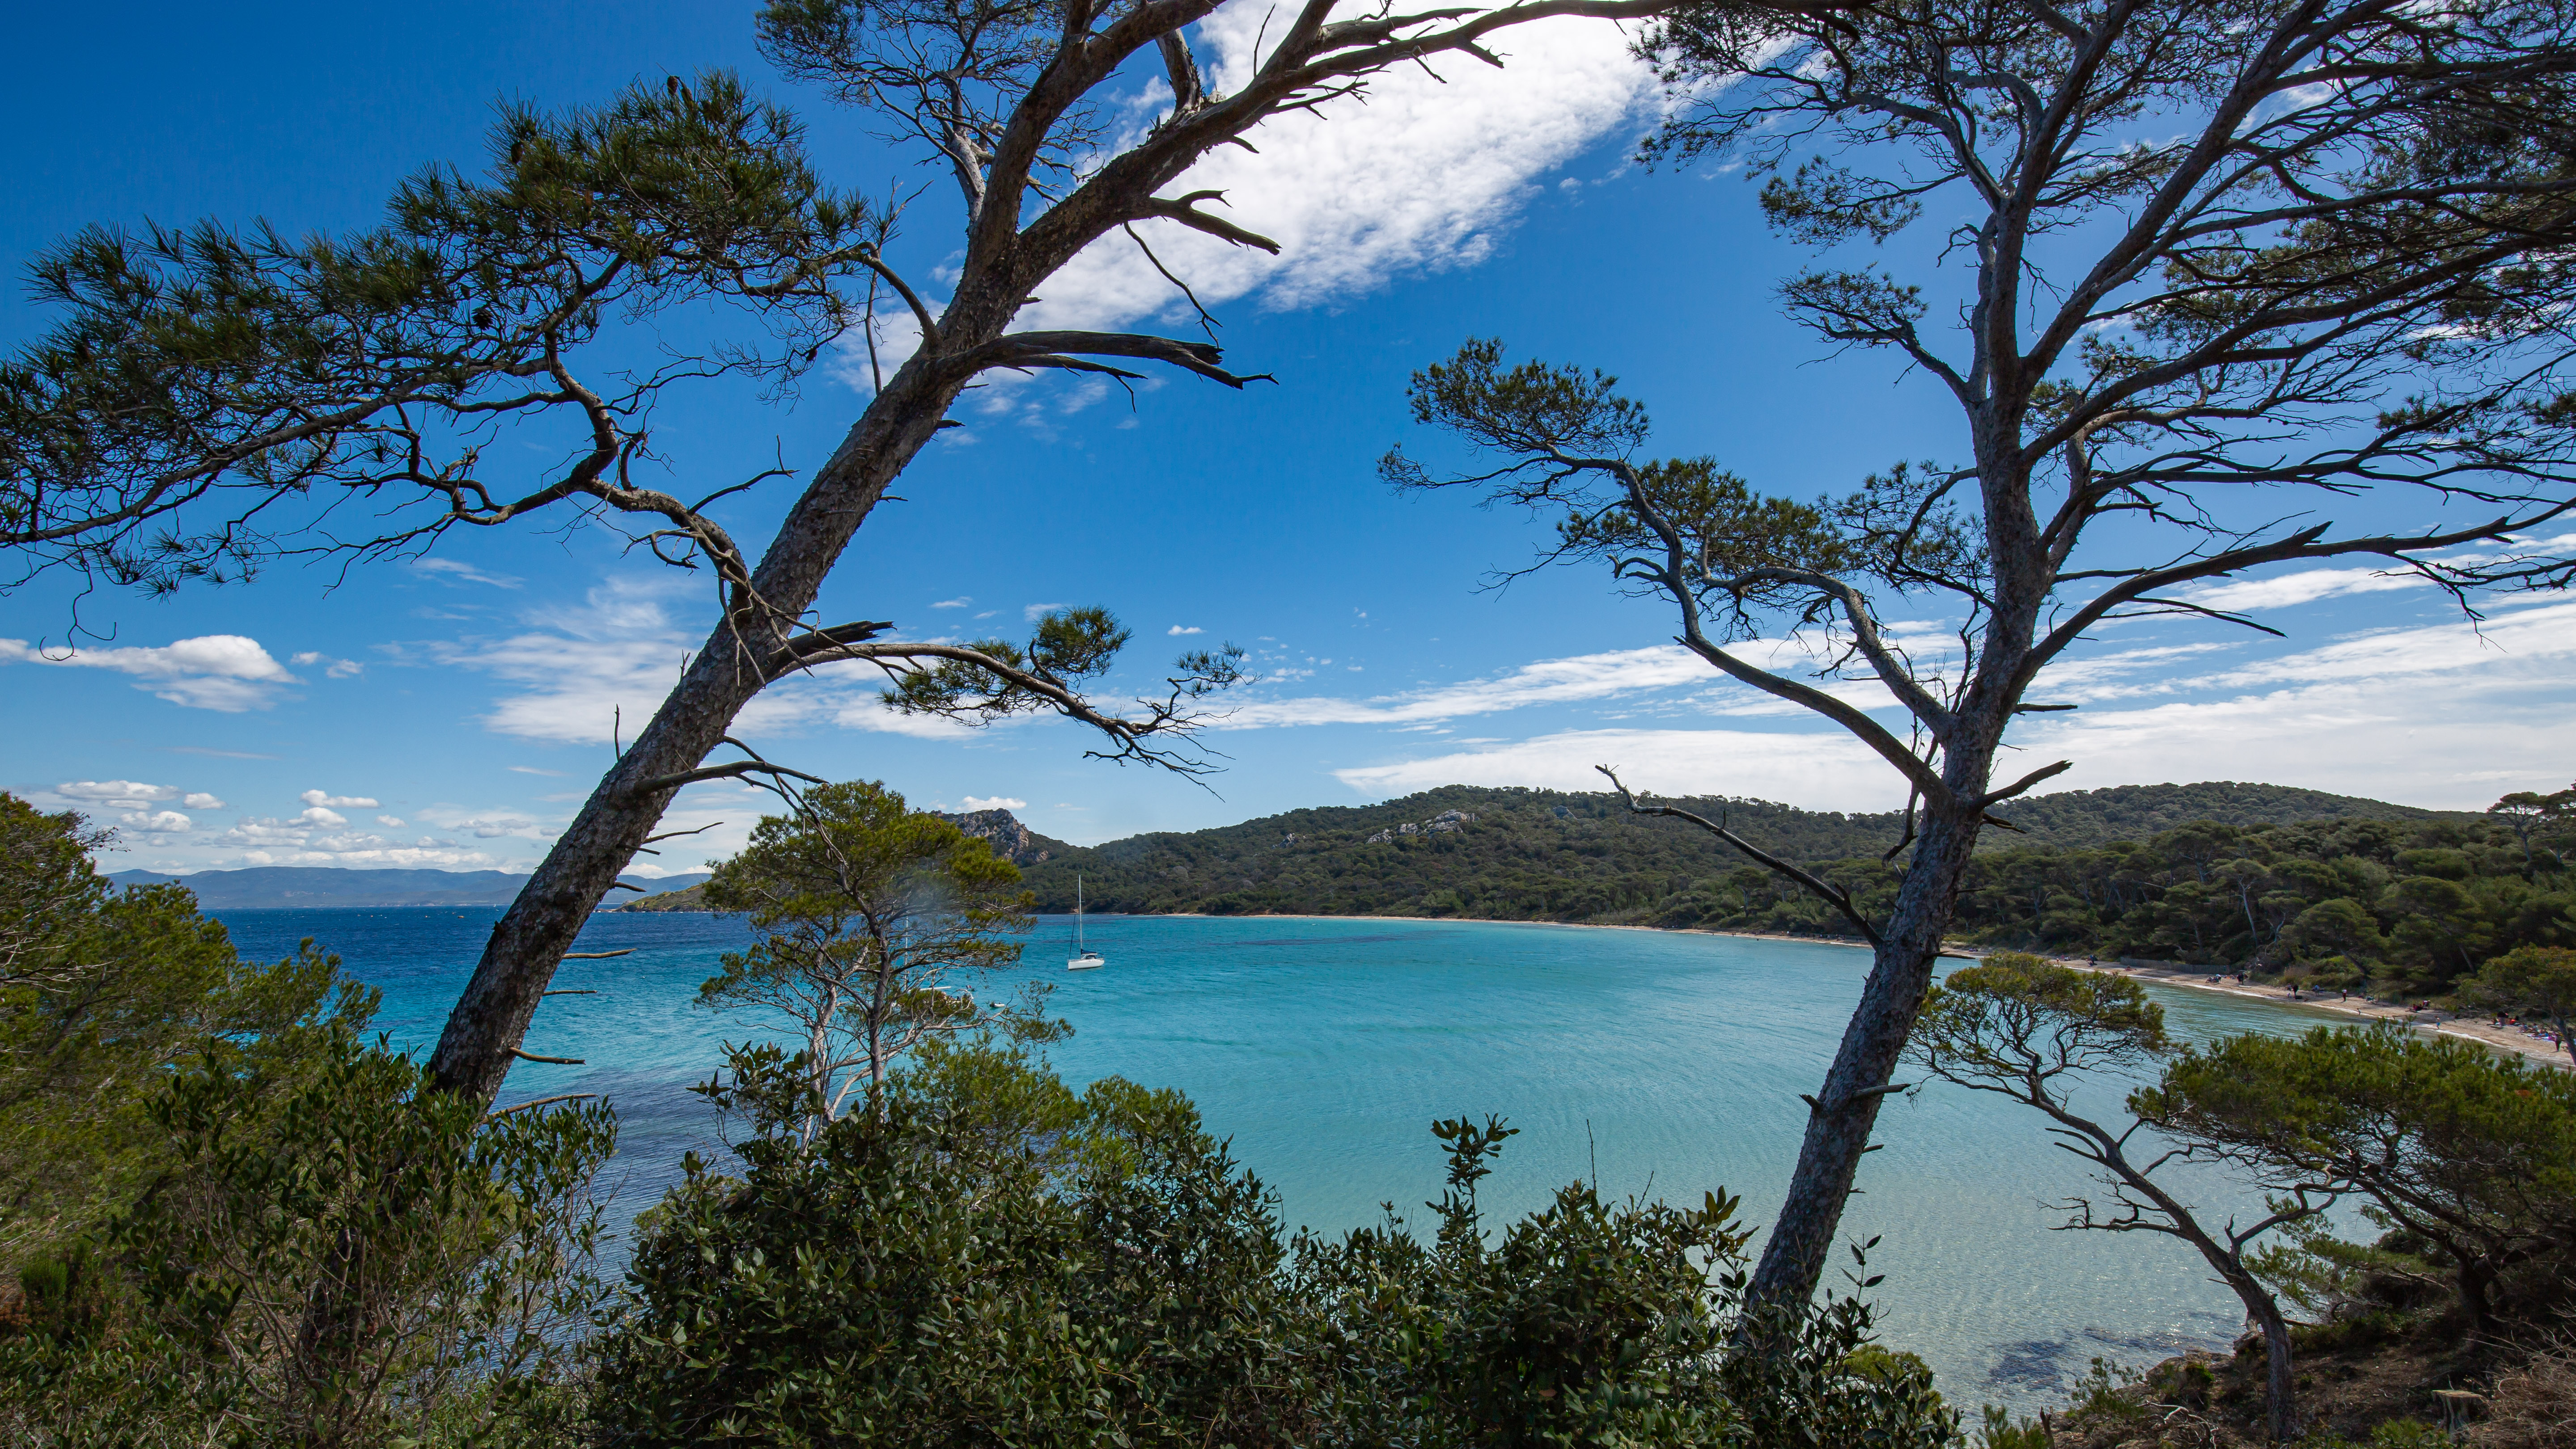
(1077, 913)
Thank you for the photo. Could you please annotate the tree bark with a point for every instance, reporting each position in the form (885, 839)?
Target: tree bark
(491, 1017)
(1839, 1125)
(2279, 1420)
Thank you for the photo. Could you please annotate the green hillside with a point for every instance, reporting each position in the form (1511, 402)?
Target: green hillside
(1544, 854)
(2282, 882)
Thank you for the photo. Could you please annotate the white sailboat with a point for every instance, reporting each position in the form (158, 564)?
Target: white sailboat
(1084, 958)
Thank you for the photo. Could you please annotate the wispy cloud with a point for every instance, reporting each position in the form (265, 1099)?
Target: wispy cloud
(448, 570)
(961, 601)
(1177, 630)
(1819, 772)
(612, 658)
(332, 668)
(117, 794)
(2442, 715)
(2302, 586)
(226, 672)
(1550, 681)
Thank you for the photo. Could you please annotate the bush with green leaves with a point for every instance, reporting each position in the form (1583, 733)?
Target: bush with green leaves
(996, 1257)
(332, 1254)
(991, 1258)
(104, 993)
(2460, 1153)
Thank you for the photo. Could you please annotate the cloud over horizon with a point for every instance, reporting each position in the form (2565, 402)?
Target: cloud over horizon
(228, 673)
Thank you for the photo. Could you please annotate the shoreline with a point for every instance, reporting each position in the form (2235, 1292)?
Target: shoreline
(2498, 1038)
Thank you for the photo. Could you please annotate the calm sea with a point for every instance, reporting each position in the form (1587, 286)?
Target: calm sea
(1657, 1063)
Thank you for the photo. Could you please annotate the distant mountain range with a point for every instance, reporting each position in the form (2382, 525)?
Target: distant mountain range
(276, 887)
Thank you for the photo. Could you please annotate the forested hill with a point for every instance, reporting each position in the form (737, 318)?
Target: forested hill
(1541, 854)
(2135, 812)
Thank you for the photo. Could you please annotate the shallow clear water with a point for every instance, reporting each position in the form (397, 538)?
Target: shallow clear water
(1660, 1063)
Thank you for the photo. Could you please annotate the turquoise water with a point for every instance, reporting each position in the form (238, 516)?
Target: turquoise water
(1659, 1063)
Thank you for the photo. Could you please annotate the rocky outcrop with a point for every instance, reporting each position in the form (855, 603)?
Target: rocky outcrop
(1446, 820)
(1010, 839)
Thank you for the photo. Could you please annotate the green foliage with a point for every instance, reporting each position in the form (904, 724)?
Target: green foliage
(204, 382)
(1547, 855)
(2015, 1023)
(332, 1254)
(998, 1257)
(2002, 1432)
(991, 1257)
(865, 906)
(2104, 1395)
(102, 995)
(2462, 1150)
(2532, 981)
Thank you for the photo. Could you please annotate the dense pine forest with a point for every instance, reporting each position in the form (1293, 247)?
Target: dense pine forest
(2263, 877)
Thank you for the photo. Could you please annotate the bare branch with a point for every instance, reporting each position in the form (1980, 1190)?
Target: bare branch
(1833, 896)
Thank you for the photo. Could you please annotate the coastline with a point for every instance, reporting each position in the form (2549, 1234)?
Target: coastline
(2498, 1038)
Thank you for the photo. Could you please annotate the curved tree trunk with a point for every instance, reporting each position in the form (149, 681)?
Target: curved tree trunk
(491, 1017)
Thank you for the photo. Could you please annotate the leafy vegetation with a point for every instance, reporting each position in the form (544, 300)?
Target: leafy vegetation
(996, 1258)
(233, 1220)
(103, 993)
(2268, 879)
(865, 907)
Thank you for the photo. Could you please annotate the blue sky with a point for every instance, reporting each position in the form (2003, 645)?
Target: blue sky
(452, 712)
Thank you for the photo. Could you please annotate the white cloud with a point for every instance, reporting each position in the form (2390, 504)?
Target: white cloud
(961, 601)
(533, 770)
(485, 825)
(122, 794)
(393, 822)
(2441, 716)
(1818, 772)
(363, 852)
(338, 668)
(1420, 175)
(615, 657)
(200, 800)
(2304, 586)
(995, 802)
(323, 815)
(1034, 612)
(343, 802)
(156, 822)
(1550, 681)
(448, 569)
(1176, 630)
(226, 672)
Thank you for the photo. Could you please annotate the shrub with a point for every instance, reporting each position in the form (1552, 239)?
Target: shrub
(992, 1257)
(995, 1257)
(339, 1257)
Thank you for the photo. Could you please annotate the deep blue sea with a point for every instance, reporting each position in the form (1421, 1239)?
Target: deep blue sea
(1659, 1063)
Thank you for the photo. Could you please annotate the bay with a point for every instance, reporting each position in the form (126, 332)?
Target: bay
(1659, 1064)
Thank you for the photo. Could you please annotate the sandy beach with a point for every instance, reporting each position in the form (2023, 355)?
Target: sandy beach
(2502, 1038)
